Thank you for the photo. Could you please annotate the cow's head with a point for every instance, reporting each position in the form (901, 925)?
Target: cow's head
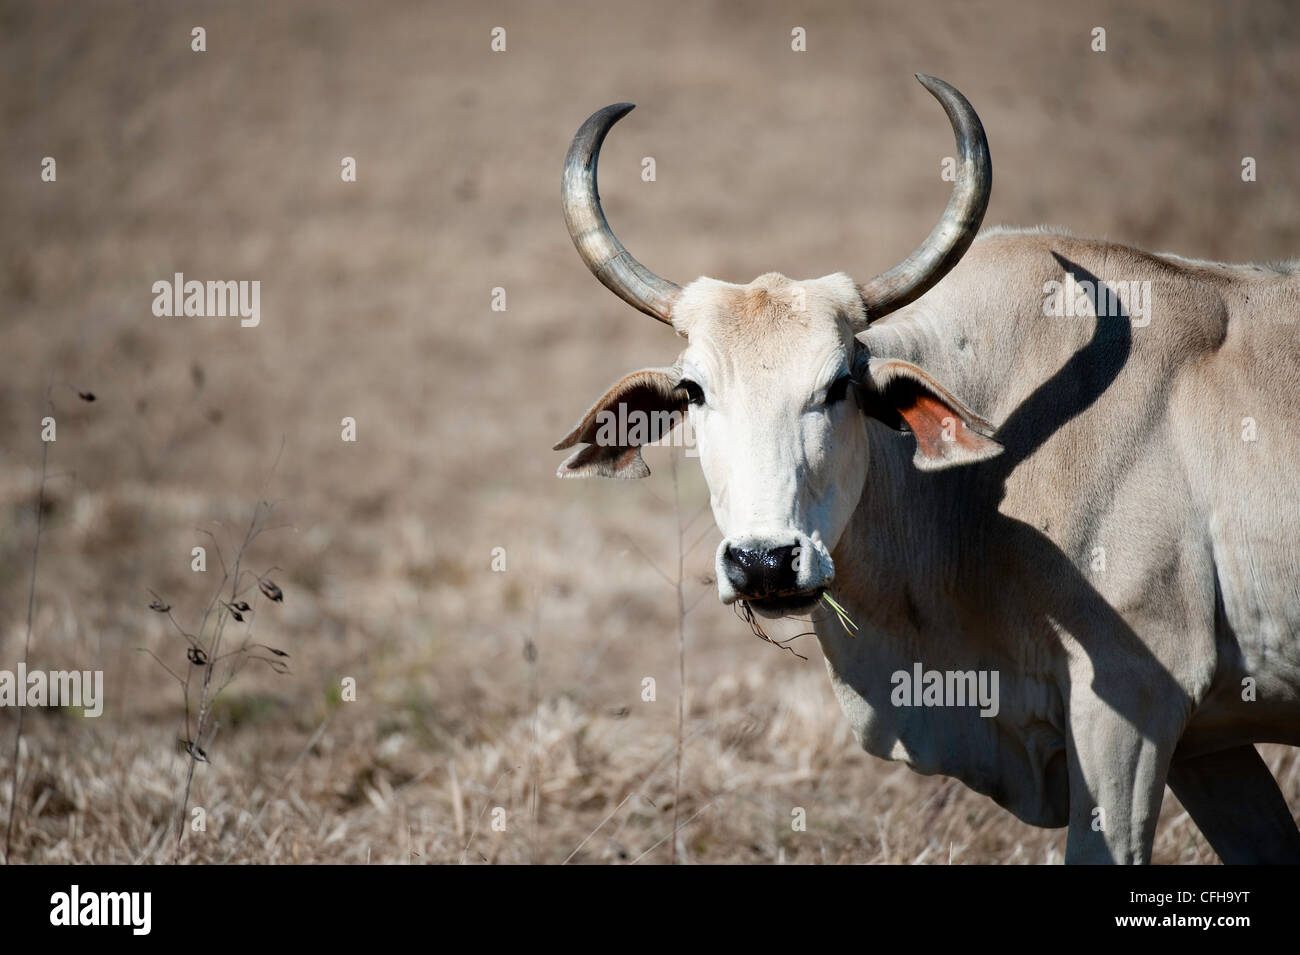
(776, 384)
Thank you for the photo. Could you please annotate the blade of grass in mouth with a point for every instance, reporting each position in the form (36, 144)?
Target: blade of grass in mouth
(845, 620)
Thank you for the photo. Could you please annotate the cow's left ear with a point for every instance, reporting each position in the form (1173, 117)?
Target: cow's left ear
(639, 410)
(905, 397)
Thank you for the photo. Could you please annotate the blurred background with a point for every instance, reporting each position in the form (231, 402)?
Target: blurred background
(519, 687)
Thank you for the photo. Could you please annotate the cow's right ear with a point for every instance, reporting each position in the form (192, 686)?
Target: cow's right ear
(904, 397)
(639, 410)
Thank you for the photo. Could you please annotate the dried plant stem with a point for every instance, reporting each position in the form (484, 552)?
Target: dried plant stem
(207, 697)
(535, 704)
(678, 584)
(681, 660)
(464, 856)
(27, 645)
(743, 610)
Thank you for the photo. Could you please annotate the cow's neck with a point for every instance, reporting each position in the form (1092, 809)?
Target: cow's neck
(905, 559)
(903, 573)
(907, 572)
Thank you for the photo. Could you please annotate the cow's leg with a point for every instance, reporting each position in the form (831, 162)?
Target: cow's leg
(1235, 802)
(1117, 782)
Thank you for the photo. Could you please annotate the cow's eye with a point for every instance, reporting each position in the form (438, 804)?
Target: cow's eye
(694, 393)
(838, 389)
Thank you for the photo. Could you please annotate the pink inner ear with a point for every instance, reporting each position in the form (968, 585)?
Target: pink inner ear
(926, 416)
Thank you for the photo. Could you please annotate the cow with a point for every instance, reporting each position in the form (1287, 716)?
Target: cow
(1066, 465)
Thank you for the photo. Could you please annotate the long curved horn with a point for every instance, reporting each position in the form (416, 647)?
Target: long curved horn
(948, 241)
(596, 243)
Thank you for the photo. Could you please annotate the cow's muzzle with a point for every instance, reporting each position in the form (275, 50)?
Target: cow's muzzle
(775, 575)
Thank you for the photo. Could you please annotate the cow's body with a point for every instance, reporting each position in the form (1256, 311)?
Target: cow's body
(1096, 502)
(1125, 565)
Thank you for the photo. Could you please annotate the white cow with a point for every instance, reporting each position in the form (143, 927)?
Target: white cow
(1057, 491)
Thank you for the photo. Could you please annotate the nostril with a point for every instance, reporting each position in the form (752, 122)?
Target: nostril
(745, 560)
(781, 560)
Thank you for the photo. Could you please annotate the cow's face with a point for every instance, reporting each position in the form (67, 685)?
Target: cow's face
(775, 387)
(780, 437)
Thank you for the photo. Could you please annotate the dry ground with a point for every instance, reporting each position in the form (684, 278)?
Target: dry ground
(375, 305)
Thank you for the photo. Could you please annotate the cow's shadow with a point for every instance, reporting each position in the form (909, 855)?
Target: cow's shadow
(1068, 596)
(1060, 591)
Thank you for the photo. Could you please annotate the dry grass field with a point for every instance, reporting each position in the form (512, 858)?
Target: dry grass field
(518, 688)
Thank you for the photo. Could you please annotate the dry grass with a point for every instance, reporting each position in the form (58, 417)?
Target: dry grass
(375, 305)
(451, 723)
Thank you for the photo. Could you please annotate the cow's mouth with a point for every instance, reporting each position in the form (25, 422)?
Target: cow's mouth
(785, 605)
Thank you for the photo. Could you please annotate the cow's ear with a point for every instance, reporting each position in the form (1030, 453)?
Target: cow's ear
(639, 410)
(905, 397)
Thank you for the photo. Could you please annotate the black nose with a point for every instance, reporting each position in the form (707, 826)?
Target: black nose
(762, 573)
